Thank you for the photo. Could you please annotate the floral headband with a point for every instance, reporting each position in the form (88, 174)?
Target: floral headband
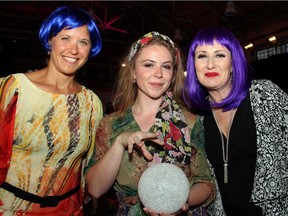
(145, 39)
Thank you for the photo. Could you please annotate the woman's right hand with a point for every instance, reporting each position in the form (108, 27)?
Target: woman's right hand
(137, 139)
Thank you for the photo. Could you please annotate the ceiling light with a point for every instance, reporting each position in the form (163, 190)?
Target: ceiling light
(249, 46)
(230, 9)
(273, 38)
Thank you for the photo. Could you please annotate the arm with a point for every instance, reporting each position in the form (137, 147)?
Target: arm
(7, 118)
(203, 190)
(102, 174)
(199, 193)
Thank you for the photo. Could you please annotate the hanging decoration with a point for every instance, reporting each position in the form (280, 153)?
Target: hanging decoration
(107, 24)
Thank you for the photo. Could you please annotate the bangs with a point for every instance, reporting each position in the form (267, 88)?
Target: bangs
(211, 35)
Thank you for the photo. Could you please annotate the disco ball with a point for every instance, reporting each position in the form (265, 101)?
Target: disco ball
(163, 187)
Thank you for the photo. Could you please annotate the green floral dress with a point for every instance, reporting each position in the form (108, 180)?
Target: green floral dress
(184, 146)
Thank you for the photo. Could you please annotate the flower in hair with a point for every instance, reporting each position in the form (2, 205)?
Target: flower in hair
(146, 39)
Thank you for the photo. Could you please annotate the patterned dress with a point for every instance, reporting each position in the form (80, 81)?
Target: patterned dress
(53, 138)
(190, 157)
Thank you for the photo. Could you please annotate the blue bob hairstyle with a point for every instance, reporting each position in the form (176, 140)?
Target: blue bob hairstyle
(69, 17)
(195, 95)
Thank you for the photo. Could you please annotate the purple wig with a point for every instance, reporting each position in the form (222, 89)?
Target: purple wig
(70, 18)
(195, 94)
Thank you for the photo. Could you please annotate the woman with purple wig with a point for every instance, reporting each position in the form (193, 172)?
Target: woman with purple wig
(245, 124)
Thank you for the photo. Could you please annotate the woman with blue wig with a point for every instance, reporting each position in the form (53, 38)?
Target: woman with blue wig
(246, 126)
(48, 122)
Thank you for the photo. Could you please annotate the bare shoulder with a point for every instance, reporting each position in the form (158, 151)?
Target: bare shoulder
(33, 75)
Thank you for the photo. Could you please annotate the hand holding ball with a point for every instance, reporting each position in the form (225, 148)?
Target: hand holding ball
(163, 188)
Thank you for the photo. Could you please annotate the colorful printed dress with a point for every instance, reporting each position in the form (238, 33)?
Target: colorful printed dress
(171, 124)
(53, 138)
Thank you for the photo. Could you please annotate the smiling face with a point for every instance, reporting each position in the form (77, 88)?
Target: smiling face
(213, 64)
(70, 50)
(153, 71)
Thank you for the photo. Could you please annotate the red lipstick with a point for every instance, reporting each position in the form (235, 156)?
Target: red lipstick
(211, 74)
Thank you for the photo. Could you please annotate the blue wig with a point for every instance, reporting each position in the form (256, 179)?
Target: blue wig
(70, 18)
(195, 95)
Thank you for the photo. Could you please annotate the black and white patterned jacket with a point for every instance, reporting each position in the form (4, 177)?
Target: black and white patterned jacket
(270, 189)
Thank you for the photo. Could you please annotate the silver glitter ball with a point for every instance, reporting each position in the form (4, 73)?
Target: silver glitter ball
(163, 187)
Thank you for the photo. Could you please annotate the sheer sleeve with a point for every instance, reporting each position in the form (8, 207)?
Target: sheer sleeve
(8, 102)
(199, 165)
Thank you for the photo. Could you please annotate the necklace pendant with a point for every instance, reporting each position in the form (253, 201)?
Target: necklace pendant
(225, 172)
(225, 151)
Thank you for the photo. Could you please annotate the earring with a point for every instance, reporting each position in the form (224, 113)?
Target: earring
(134, 81)
(48, 53)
